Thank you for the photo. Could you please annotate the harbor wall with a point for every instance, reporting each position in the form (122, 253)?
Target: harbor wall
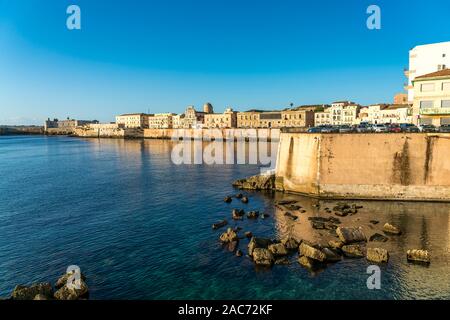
(365, 166)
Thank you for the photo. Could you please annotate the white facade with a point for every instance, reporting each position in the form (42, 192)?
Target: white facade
(426, 59)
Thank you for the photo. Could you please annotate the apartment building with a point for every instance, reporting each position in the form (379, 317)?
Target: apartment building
(385, 113)
(426, 59)
(275, 119)
(161, 121)
(340, 113)
(432, 98)
(133, 120)
(228, 119)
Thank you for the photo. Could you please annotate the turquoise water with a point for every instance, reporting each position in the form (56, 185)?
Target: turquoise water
(139, 227)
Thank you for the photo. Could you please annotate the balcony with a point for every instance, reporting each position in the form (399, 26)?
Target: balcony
(435, 111)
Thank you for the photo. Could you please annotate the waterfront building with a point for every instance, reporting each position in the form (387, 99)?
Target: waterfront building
(322, 118)
(275, 119)
(133, 120)
(432, 98)
(161, 121)
(385, 113)
(208, 108)
(189, 119)
(401, 98)
(228, 119)
(68, 124)
(425, 59)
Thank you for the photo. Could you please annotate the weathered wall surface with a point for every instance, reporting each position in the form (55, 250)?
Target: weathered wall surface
(109, 132)
(5, 130)
(365, 166)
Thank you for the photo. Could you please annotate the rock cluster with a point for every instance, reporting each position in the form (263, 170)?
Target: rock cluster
(44, 291)
(259, 182)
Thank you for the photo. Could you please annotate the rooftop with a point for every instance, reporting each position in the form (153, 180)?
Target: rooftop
(438, 74)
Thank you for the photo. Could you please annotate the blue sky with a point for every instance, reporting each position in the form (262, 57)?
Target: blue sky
(157, 56)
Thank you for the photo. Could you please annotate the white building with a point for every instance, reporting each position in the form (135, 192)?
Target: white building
(383, 113)
(426, 59)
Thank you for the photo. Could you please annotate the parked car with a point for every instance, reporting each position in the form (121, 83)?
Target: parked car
(378, 128)
(409, 127)
(345, 129)
(330, 129)
(428, 128)
(363, 128)
(315, 130)
(445, 128)
(394, 128)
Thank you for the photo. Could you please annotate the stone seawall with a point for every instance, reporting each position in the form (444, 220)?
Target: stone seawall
(211, 134)
(365, 166)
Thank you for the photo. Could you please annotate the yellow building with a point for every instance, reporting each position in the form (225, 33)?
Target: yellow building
(227, 119)
(432, 98)
(161, 121)
(275, 119)
(133, 120)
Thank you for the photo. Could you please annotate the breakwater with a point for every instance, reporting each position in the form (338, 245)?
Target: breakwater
(365, 166)
(10, 130)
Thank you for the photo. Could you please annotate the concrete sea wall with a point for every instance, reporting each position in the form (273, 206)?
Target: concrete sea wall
(365, 166)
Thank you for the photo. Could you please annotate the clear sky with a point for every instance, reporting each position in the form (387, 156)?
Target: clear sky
(160, 56)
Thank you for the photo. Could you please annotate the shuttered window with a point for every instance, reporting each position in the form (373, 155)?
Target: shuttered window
(426, 104)
(427, 87)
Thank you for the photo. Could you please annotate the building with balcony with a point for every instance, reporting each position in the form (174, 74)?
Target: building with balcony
(425, 59)
(275, 119)
(432, 98)
(133, 120)
(228, 119)
(161, 121)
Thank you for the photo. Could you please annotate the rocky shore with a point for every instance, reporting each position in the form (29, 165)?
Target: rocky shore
(333, 241)
(63, 289)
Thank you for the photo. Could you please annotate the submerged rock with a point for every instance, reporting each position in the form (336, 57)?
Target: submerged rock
(351, 235)
(263, 257)
(378, 238)
(278, 249)
(239, 253)
(239, 196)
(390, 229)
(354, 251)
(219, 224)
(21, 292)
(308, 250)
(232, 246)
(248, 234)
(244, 200)
(309, 263)
(237, 214)
(227, 199)
(253, 215)
(377, 255)
(228, 236)
(416, 255)
(282, 261)
(259, 182)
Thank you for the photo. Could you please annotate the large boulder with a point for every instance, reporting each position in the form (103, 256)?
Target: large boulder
(21, 292)
(228, 236)
(391, 229)
(278, 249)
(351, 235)
(263, 257)
(75, 290)
(259, 182)
(331, 255)
(377, 255)
(237, 214)
(258, 243)
(378, 238)
(416, 255)
(335, 244)
(308, 250)
(354, 251)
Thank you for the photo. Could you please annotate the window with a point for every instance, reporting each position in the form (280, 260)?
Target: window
(446, 86)
(445, 103)
(427, 87)
(426, 104)
(444, 55)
